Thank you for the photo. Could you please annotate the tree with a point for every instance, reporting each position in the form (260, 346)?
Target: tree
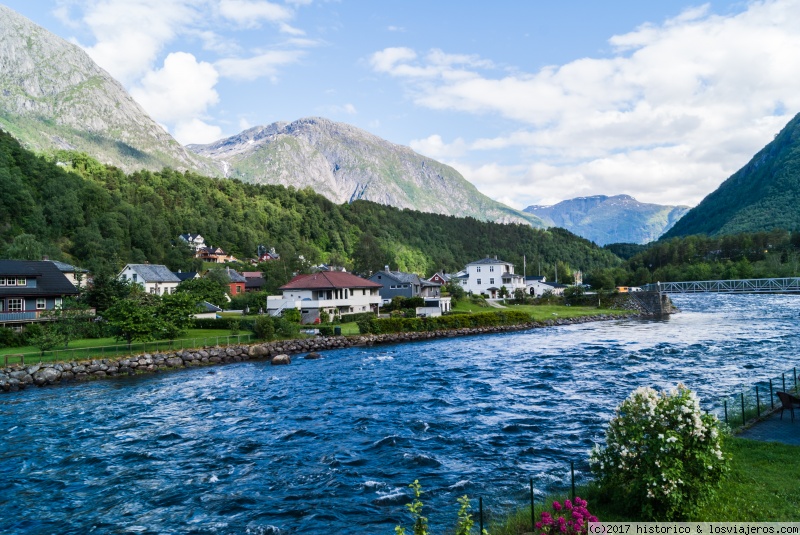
(105, 290)
(46, 337)
(134, 319)
(71, 319)
(24, 247)
(204, 289)
(176, 314)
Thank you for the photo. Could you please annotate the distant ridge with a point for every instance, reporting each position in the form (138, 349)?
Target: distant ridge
(345, 163)
(761, 196)
(616, 219)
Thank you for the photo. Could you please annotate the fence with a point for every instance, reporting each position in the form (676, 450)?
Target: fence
(736, 410)
(66, 355)
(572, 477)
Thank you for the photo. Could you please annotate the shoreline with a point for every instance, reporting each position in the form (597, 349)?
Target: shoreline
(18, 377)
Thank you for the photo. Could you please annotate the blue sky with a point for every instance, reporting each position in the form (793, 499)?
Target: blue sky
(533, 102)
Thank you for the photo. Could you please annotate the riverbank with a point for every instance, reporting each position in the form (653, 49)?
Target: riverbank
(17, 377)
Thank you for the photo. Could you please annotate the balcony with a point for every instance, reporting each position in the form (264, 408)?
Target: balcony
(11, 317)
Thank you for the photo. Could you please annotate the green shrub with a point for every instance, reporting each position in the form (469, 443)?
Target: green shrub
(663, 457)
(285, 327)
(291, 314)
(325, 330)
(224, 323)
(264, 328)
(348, 318)
(484, 319)
(8, 338)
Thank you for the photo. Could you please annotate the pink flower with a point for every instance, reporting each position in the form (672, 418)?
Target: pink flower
(568, 504)
(556, 506)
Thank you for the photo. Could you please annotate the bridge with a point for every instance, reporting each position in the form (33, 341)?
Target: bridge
(739, 286)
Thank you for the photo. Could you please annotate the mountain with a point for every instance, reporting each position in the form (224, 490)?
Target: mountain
(53, 96)
(617, 219)
(345, 163)
(761, 196)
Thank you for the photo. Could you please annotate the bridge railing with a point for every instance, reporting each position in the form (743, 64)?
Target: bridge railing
(776, 285)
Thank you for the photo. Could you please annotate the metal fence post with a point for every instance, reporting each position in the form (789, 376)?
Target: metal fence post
(480, 512)
(783, 378)
(771, 395)
(758, 404)
(572, 472)
(743, 418)
(533, 513)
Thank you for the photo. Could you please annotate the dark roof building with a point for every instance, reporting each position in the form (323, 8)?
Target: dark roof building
(27, 288)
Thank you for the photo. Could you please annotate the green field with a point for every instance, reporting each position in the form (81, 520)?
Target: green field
(110, 347)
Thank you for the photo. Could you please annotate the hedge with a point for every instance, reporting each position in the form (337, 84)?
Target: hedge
(484, 319)
(247, 324)
(347, 318)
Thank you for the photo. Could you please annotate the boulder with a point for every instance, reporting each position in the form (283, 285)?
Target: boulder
(174, 362)
(281, 359)
(46, 376)
(313, 356)
(258, 351)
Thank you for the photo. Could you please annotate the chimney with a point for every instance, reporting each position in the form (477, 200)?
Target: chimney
(386, 268)
(495, 257)
(45, 258)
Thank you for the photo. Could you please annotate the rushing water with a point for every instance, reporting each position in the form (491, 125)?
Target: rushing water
(328, 446)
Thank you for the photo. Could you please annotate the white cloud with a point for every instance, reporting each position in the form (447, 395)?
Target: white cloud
(130, 35)
(261, 65)
(180, 91)
(675, 110)
(434, 147)
(196, 131)
(250, 13)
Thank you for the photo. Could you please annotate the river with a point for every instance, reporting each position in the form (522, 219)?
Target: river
(330, 445)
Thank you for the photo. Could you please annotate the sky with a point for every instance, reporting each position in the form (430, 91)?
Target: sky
(533, 102)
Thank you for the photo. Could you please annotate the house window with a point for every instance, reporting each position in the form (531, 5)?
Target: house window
(479, 282)
(15, 305)
(41, 304)
(2, 305)
(491, 268)
(478, 269)
(22, 282)
(2, 281)
(238, 289)
(491, 281)
(134, 277)
(405, 286)
(59, 303)
(464, 283)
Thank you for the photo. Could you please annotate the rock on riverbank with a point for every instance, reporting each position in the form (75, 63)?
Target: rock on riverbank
(17, 377)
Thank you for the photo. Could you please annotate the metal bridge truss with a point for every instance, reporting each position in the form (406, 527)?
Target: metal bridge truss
(771, 286)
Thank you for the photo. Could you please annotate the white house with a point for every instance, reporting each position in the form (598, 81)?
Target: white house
(195, 241)
(154, 278)
(334, 292)
(487, 275)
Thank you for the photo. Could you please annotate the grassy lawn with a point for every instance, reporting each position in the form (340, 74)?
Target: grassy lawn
(541, 312)
(108, 347)
(762, 486)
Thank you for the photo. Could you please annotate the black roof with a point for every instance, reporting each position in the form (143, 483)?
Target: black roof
(49, 279)
(185, 275)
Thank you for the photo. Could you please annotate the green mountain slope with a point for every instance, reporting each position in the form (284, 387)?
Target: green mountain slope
(345, 163)
(761, 196)
(53, 96)
(101, 218)
(617, 219)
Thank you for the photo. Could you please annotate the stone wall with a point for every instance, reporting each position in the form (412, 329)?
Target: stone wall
(17, 377)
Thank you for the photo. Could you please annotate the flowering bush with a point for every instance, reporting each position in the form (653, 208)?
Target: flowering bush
(663, 456)
(570, 519)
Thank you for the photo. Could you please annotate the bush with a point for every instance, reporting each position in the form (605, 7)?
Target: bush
(347, 318)
(292, 314)
(325, 330)
(663, 456)
(264, 328)
(285, 327)
(8, 338)
(569, 519)
(224, 323)
(457, 321)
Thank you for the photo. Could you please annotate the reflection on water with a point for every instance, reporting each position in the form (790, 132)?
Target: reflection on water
(329, 445)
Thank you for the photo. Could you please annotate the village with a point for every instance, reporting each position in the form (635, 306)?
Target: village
(29, 289)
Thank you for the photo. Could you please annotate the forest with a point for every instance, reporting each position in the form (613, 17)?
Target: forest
(750, 255)
(72, 208)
